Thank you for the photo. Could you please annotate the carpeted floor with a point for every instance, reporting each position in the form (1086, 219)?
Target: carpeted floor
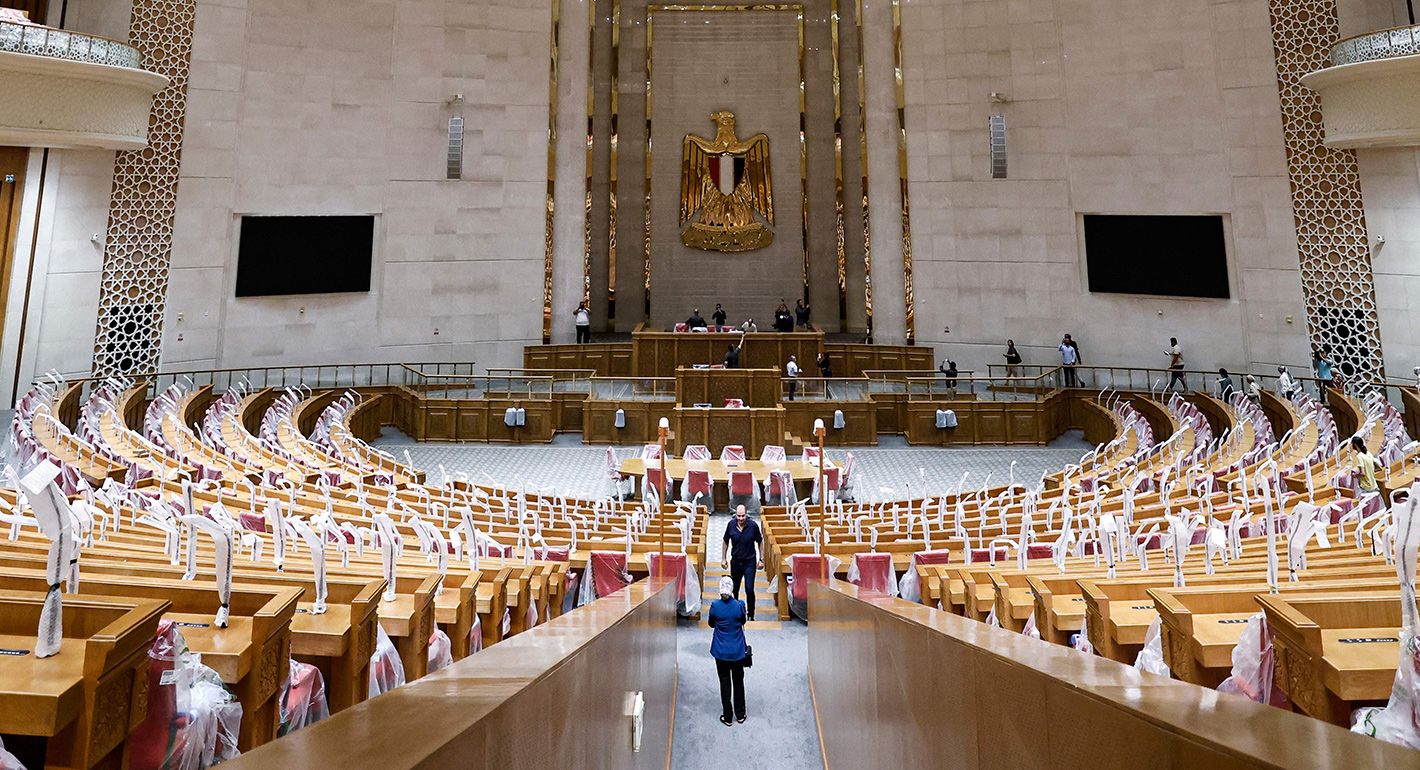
(780, 731)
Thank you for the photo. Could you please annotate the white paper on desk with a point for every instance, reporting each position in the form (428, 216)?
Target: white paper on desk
(52, 513)
(316, 542)
(222, 540)
(385, 525)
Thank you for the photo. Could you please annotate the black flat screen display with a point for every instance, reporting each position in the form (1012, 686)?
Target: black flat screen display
(304, 255)
(1173, 256)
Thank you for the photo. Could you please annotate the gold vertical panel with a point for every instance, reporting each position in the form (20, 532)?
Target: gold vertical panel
(863, 167)
(143, 201)
(591, 140)
(1338, 286)
(910, 314)
(611, 174)
(551, 176)
(838, 235)
(797, 8)
(803, 154)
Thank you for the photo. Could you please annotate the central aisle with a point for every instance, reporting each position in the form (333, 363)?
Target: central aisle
(780, 731)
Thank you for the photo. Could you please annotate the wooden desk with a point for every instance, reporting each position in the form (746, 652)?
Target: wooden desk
(660, 353)
(720, 471)
(88, 698)
(755, 387)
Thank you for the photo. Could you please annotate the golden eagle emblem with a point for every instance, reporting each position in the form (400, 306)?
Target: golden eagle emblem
(725, 188)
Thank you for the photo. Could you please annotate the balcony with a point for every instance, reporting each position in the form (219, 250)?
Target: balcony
(66, 89)
(1368, 94)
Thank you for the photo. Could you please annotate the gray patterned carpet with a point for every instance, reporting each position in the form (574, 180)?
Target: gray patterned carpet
(891, 470)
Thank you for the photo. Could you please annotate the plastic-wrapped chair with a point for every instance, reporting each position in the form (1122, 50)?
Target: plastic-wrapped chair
(303, 701)
(609, 575)
(651, 452)
(804, 568)
(386, 669)
(734, 403)
(743, 490)
(831, 475)
(779, 489)
(697, 452)
(873, 572)
(1251, 675)
(192, 720)
(772, 453)
(441, 650)
(475, 634)
(910, 586)
(618, 479)
(810, 454)
(680, 327)
(9, 761)
(845, 481)
(733, 453)
(677, 566)
(654, 480)
(697, 482)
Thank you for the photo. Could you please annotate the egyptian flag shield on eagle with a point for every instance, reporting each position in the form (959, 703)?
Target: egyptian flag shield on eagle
(726, 196)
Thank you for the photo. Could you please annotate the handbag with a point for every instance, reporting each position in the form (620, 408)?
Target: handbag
(748, 660)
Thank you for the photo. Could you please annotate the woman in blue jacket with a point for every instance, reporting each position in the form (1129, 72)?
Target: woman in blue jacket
(727, 617)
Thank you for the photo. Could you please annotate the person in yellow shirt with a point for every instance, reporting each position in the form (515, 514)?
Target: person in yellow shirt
(1365, 466)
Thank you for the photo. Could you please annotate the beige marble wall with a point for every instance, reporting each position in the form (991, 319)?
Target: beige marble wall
(1112, 108)
(333, 107)
(747, 63)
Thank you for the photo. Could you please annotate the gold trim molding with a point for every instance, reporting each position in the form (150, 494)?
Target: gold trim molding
(551, 175)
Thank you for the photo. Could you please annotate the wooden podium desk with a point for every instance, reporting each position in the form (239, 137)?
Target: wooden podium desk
(757, 388)
(659, 353)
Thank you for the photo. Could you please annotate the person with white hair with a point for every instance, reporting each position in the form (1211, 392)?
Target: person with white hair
(1286, 385)
(731, 654)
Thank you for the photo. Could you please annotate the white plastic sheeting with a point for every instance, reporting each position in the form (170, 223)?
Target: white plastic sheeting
(9, 761)
(303, 701)
(1151, 658)
(1252, 665)
(441, 650)
(386, 669)
(193, 720)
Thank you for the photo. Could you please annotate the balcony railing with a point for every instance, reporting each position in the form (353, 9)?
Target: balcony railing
(1384, 44)
(63, 44)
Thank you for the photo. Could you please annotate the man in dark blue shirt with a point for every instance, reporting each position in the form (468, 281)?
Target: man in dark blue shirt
(742, 554)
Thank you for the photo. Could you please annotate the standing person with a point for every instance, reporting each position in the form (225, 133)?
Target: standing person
(791, 370)
(1013, 360)
(1285, 384)
(1325, 376)
(1365, 467)
(948, 368)
(728, 648)
(1175, 354)
(1253, 389)
(718, 316)
(732, 355)
(742, 553)
(582, 317)
(801, 314)
(1070, 358)
(825, 369)
(1225, 385)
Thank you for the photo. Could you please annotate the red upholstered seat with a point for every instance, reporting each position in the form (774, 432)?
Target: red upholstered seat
(670, 565)
(874, 572)
(806, 567)
(608, 572)
(732, 453)
(741, 483)
(697, 481)
(682, 327)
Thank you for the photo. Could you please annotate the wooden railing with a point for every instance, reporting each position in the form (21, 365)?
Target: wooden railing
(897, 684)
(558, 694)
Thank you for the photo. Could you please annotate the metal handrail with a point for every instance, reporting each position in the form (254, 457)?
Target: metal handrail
(39, 40)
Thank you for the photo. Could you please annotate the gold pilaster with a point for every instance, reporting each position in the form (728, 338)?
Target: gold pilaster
(909, 315)
(551, 177)
(863, 167)
(838, 234)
